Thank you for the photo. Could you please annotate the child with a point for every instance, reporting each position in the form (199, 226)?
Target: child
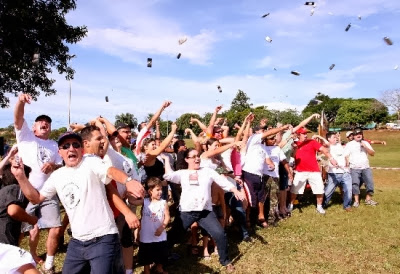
(155, 218)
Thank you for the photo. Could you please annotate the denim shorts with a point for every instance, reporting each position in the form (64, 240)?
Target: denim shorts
(48, 213)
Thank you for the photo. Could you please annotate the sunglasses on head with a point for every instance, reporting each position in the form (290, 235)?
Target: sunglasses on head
(67, 145)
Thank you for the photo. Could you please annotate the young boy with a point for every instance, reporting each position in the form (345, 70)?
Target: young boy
(153, 246)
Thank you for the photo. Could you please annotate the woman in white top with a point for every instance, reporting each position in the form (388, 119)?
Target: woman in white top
(195, 203)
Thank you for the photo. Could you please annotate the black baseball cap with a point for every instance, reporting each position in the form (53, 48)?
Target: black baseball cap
(121, 125)
(69, 134)
(358, 131)
(43, 117)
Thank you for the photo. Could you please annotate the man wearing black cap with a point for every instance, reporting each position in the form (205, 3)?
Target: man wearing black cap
(80, 186)
(40, 154)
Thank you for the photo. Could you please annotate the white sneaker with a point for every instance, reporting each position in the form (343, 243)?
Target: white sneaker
(290, 207)
(320, 210)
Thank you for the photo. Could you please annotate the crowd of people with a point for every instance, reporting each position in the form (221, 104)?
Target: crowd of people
(101, 179)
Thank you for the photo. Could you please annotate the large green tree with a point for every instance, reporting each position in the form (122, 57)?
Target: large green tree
(240, 102)
(183, 122)
(34, 38)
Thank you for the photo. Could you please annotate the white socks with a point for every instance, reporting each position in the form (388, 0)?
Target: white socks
(49, 262)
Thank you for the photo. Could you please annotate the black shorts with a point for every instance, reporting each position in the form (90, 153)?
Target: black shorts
(153, 253)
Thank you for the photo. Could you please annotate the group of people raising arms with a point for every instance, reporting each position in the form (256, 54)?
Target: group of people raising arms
(100, 180)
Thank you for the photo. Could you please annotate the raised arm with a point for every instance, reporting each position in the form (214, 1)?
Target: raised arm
(76, 127)
(238, 136)
(112, 130)
(157, 115)
(17, 169)
(164, 143)
(158, 134)
(10, 155)
(306, 121)
(273, 131)
(210, 128)
(19, 109)
(217, 151)
(201, 125)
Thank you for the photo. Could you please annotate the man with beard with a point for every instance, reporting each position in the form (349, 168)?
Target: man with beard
(40, 154)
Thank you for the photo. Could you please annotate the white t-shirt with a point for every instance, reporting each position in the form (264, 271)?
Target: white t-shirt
(337, 152)
(255, 156)
(226, 158)
(276, 155)
(152, 219)
(208, 162)
(35, 152)
(358, 156)
(82, 192)
(123, 163)
(196, 187)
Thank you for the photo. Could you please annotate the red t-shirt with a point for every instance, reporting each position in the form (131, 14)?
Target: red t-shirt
(305, 157)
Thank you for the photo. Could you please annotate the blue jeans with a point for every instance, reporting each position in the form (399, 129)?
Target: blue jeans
(339, 179)
(209, 222)
(237, 212)
(360, 176)
(101, 253)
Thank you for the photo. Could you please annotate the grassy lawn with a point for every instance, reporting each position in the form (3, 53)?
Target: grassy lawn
(365, 240)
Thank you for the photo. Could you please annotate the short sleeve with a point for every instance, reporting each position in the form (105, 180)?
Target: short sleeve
(99, 167)
(316, 145)
(24, 134)
(11, 194)
(49, 188)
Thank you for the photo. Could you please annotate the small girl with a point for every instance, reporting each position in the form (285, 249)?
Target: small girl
(153, 237)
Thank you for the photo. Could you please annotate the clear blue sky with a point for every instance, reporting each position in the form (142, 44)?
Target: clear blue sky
(226, 46)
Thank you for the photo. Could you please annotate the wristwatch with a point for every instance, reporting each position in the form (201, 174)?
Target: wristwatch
(128, 179)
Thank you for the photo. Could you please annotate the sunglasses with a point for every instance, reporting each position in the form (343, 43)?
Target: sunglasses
(67, 145)
(193, 157)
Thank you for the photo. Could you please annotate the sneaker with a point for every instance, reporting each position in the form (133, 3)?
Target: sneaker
(44, 270)
(247, 239)
(290, 208)
(320, 210)
(371, 202)
(348, 209)
(356, 204)
(230, 268)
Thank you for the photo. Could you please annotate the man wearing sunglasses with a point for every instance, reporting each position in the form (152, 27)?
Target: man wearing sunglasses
(41, 155)
(80, 186)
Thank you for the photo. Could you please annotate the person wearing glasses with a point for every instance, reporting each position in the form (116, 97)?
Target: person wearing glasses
(196, 202)
(358, 150)
(80, 186)
(39, 153)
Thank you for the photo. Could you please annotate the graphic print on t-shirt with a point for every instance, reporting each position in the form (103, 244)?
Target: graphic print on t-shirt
(43, 155)
(70, 195)
(127, 167)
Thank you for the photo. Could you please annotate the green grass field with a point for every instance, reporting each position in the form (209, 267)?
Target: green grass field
(366, 240)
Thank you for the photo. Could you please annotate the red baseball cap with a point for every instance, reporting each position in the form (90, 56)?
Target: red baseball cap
(302, 130)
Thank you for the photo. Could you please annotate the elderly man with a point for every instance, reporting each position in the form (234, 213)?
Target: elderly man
(358, 151)
(41, 155)
(80, 186)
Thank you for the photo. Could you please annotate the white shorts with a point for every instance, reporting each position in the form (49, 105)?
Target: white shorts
(13, 257)
(313, 178)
